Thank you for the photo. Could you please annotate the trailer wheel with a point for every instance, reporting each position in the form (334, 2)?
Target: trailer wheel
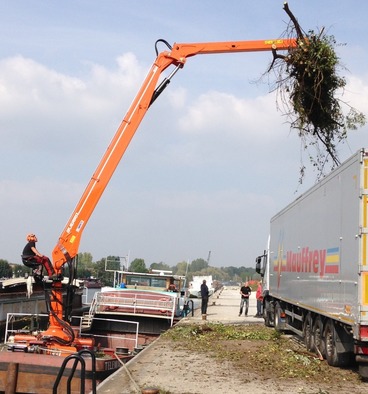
(308, 332)
(319, 344)
(333, 356)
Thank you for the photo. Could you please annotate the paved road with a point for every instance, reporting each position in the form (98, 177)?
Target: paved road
(223, 307)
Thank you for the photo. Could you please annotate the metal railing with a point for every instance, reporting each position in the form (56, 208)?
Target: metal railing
(11, 318)
(134, 303)
(119, 337)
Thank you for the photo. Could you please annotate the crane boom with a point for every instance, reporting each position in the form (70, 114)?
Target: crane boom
(67, 246)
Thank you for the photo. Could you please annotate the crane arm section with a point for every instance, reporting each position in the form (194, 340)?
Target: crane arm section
(69, 240)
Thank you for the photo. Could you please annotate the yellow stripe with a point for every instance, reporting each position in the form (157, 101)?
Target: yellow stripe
(365, 288)
(364, 213)
(334, 258)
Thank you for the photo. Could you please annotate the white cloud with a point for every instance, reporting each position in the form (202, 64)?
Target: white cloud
(216, 112)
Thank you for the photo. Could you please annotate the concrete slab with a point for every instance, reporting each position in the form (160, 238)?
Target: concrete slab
(223, 307)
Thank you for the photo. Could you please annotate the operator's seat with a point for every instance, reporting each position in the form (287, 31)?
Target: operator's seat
(29, 262)
(36, 268)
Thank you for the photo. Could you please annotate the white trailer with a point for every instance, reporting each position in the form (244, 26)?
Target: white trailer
(315, 269)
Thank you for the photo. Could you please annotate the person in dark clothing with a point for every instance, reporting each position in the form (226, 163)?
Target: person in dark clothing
(245, 292)
(32, 258)
(204, 295)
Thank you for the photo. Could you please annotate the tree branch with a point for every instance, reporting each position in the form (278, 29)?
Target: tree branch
(294, 20)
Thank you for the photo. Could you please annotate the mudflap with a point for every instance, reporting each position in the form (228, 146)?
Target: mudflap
(343, 340)
(363, 371)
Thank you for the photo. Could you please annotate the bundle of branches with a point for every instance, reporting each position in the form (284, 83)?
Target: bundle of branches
(308, 84)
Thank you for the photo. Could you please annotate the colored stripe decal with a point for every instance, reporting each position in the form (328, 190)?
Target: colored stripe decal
(365, 288)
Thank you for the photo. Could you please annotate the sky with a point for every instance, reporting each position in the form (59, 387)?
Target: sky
(213, 160)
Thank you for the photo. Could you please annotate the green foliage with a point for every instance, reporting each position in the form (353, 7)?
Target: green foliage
(272, 348)
(6, 270)
(113, 263)
(107, 278)
(240, 274)
(181, 268)
(310, 89)
(86, 267)
(202, 334)
(313, 84)
(312, 66)
(19, 270)
(198, 265)
(138, 265)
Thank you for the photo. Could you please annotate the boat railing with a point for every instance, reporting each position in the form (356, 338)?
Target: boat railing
(11, 319)
(111, 337)
(134, 303)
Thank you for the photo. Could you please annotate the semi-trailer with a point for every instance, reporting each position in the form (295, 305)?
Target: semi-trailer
(315, 267)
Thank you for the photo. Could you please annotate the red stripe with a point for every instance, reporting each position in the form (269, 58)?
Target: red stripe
(332, 269)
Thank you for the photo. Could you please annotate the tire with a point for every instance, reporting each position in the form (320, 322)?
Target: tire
(267, 314)
(279, 324)
(318, 339)
(308, 332)
(333, 356)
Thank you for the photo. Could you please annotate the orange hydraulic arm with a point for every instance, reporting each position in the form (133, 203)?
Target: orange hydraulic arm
(68, 244)
(69, 240)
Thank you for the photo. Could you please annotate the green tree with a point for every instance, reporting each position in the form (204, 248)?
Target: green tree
(216, 273)
(198, 265)
(242, 273)
(106, 277)
(181, 268)
(20, 270)
(5, 269)
(138, 265)
(86, 267)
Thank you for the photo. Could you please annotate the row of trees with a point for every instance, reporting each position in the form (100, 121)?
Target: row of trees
(103, 269)
(88, 268)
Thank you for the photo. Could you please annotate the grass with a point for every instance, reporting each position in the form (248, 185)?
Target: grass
(264, 349)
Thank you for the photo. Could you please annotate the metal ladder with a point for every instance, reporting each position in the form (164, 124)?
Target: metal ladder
(77, 358)
(87, 318)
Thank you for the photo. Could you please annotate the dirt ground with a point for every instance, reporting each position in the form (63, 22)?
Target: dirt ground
(206, 365)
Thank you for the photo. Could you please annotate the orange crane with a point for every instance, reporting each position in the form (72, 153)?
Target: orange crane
(59, 333)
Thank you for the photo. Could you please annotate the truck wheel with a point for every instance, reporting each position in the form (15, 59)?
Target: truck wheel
(333, 356)
(267, 312)
(308, 332)
(319, 344)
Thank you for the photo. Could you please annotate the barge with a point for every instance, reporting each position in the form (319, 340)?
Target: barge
(120, 323)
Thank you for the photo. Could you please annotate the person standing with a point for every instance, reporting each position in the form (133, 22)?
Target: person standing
(245, 292)
(32, 258)
(204, 295)
(259, 297)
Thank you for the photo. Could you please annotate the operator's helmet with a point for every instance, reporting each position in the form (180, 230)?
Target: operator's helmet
(31, 237)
